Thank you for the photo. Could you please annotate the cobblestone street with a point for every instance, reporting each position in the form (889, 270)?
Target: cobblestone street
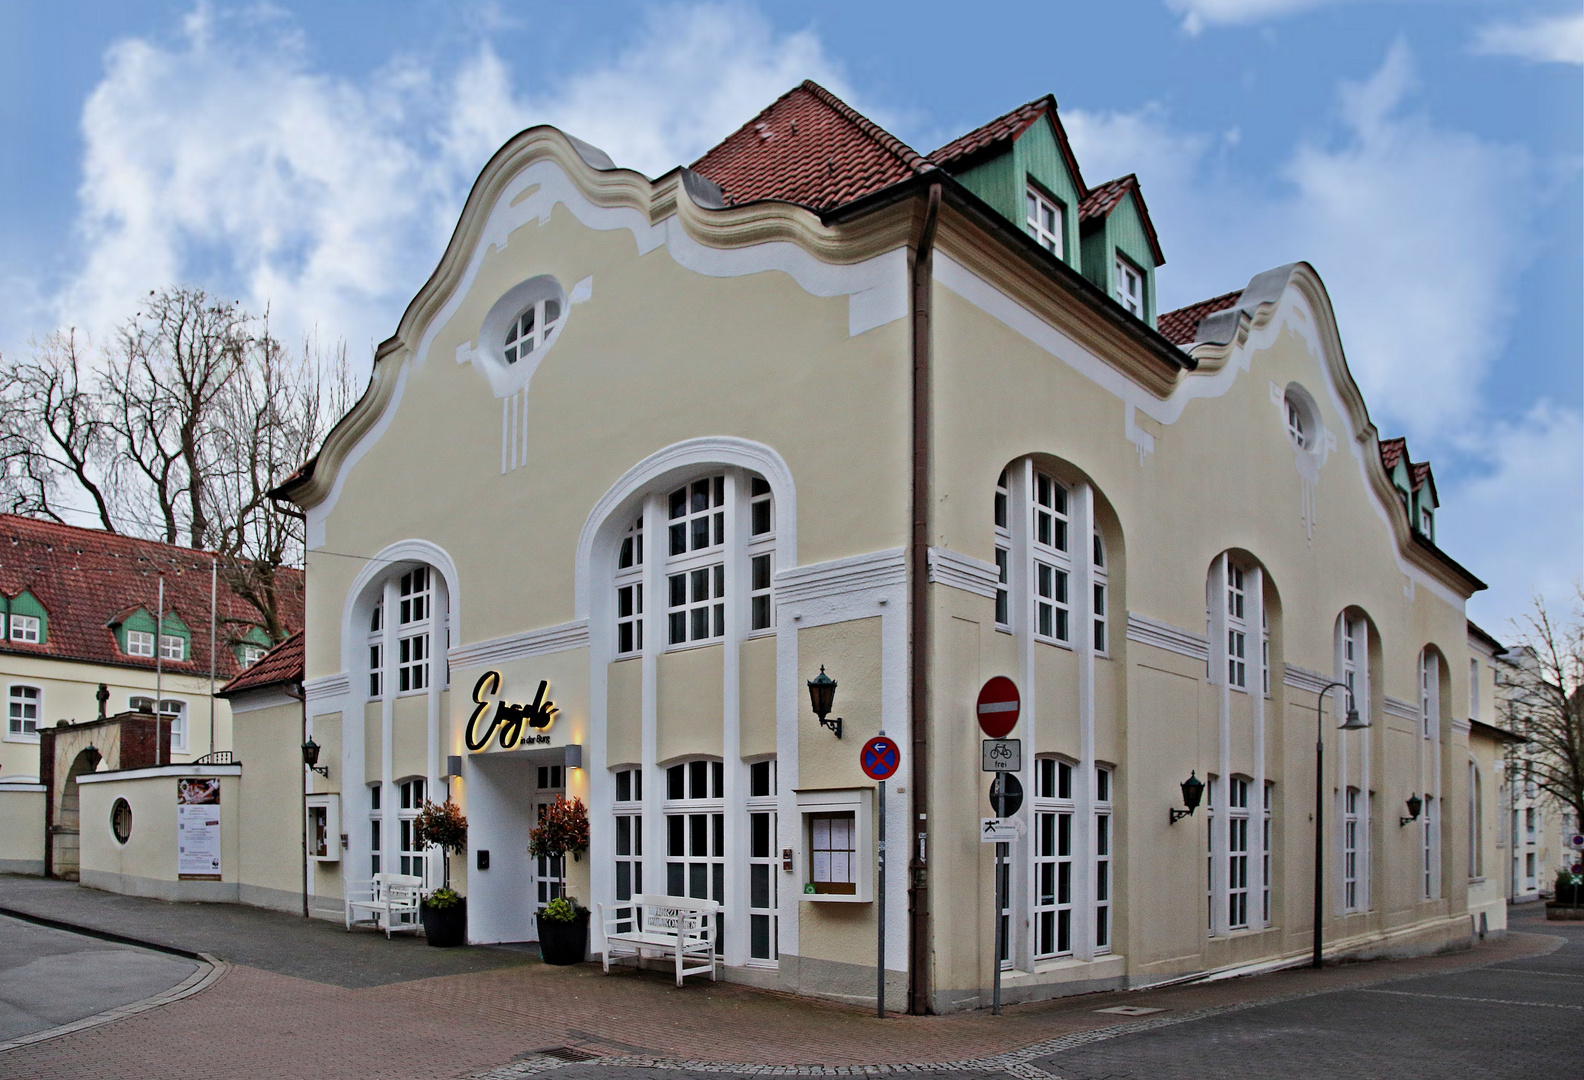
(307, 1000)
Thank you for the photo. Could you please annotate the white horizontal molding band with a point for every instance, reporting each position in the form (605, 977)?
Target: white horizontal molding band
(549, 639)
(265, 697)
(875, 570)
(1163, 635)
(161, 770)
(328, 686)
(959, 571)
(1304, 679)
(1405, 710)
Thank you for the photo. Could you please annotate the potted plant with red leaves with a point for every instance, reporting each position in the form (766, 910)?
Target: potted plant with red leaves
(563, 924)
(444, 911)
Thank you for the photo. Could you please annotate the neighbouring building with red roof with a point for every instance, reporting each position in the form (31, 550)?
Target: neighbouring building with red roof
(83, 635)
(648, 462)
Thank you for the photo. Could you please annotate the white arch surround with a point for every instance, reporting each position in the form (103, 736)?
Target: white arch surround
(381, 565)
(686, 457)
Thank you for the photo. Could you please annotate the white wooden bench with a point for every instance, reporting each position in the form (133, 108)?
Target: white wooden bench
(651, 926)
(388, 902)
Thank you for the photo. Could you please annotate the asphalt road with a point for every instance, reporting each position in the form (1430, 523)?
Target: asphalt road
(52, 977)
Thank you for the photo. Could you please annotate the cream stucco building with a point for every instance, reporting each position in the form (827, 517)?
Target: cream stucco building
(644, 455)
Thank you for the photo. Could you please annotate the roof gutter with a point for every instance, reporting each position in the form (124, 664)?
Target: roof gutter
(922, 275)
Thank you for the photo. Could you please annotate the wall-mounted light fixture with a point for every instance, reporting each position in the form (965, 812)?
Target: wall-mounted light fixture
(1192, 792)
(310, 752)
(822, 694)
(94, 757)
(1415, 804)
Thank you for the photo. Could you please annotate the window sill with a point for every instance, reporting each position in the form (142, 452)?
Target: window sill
(835, 898)
(1066, 646)
(24, 738)
(690, 646)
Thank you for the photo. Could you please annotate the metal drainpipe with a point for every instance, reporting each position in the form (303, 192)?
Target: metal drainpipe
(918, 618)
(302, 801)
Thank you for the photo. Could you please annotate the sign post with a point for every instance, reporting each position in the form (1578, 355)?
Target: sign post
(997, 712)
(879, 760)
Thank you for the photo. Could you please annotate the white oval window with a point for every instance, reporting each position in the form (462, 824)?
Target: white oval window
(1301, 416)
(533, 329)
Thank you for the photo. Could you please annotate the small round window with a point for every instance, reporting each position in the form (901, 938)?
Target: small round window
(532, 329)
(1300, 416)
(121, 820)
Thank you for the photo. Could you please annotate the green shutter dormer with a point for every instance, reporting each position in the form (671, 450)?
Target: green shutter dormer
(26, 605)
(1119, 239)
(142, 621)
(254, 636)
(174, 627)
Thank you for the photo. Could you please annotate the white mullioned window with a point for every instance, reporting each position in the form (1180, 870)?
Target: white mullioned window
(1210, 875)
(1265, 854)
(1297, 427)
(1053, 857)
(1102, 859)
(629, 833)
(25, 628)
(1237, 853)
(532, 329)
(413, 861)
(1474, 693)
(630, 590)
(1476, 822)
(172, 709)
(1101, 586)
(1003, 552)
(696, 835)
(1237, 628)
(1046, 221)
(761, 555)
(1427, 836)
(763, 867)
(252, 654)
(1354, 653)
(1052, 560)
(1427, 675)
(1264, 650)
(23, 705)
(376, 648)
(412, 630)
(1130, 286)
(139, 643)
(696, 568)
(173, 647)
(375, 817)
(1350, 849)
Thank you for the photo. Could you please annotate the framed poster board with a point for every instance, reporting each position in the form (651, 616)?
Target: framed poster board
(198, 829)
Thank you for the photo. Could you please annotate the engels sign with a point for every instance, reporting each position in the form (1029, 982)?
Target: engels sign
(507, 717)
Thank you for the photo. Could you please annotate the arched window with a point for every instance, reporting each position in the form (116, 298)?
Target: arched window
(1052, 560)
(703, 554)
(402, 650)
(1101, 585)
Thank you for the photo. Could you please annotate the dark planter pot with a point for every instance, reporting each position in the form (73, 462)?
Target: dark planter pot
(445, 928)
(564, 942)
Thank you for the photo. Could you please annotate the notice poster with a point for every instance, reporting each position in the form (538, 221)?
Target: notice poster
(198, 829)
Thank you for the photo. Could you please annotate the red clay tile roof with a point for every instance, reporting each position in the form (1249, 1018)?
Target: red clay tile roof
(1419, 472)
(1101, 200)
(282, 664)
(811, 148)
(88, 579)
(1180, 327)
(963, 150)
(1392, 451)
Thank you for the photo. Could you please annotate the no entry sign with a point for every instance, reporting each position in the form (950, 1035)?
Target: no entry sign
(998, 707)
(879, 758)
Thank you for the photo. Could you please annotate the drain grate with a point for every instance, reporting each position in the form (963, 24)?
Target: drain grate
(560, 1053)
(1130, 1010)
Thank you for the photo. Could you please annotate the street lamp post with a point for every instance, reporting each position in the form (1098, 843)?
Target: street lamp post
(1351, 723)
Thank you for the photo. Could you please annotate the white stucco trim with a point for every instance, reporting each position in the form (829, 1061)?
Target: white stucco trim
(381, 565)
(686, 457)
(265, 697)
(1163, 635)
(160, 770)
(328, 686)
(958, 571)
(541, 642)
(1403, 710)
(1304, 679)
(841, 577)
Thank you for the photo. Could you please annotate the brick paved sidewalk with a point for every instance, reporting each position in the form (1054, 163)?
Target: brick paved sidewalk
(257, 1023)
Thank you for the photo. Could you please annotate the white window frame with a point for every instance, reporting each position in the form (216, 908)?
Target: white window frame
(1003, 552)
(173, 647)
(16, 712)
(1127, 272)
(695, 566)
(533, 326)
(252, 653)
(410, 795)
(1050, 540)
(1046, 221)
(1297, 429)
(415, 595)
(629, 819)
(1102, 590)
(1053, 851)
(376, 826)
(376, 651)
(1104, 853)
(1428, 836)
(702, 799)
(764, 870)
(1350, 849)
(1355, 648)
(1265, 854)
(140, 643)
(174, 708)
(25, 628)
(1237, 853)
(761, 555)
(1237, 628)
(629, 582)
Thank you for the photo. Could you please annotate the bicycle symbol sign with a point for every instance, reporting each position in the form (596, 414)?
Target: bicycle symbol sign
(879, 758)
(1001, 755)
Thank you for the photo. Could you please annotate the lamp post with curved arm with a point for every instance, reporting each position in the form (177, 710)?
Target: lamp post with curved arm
(1351, 723)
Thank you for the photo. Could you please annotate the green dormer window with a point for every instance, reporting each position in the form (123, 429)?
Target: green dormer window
(139, 637)
(23, 619)
(1427, 523)
(1046, 221)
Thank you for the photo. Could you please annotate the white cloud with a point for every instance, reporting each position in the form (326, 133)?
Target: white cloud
(1557, 39)
(223, 157)
(1197, 14)
(1417, 234)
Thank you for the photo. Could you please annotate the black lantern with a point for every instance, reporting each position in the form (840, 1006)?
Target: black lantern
(310, 752)
(1415, 804)
(1192, 792)
(94, 757)
(822, 695)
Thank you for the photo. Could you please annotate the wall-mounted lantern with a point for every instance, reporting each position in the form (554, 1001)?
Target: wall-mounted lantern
(94, 757)
(310, 752)
(1415, 804)
(822, 694)
(1192, 792)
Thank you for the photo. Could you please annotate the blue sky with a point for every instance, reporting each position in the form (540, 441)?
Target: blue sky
(1425, 155)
